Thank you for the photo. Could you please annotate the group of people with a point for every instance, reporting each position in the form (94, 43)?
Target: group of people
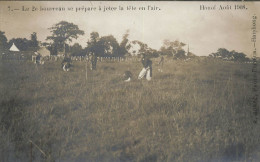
(146, 71)
(67, 63)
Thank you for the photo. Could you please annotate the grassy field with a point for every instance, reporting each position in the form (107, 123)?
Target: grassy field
(192, 111)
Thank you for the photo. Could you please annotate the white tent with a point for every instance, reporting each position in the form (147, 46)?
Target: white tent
(14, 48)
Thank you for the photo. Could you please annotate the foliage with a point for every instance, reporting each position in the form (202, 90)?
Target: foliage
(239, 56)
(140, 48)
(63, 33)
(180, 54)
(103, 46)
(143, 47)
(173, 48)
(21, 43)
(24, 44)
(93, 44)
(124, 46)
(77, 50)
(136, 48)
(53, 49)
(109, 46)
(3, 41)
(223, 53)
(34, 42)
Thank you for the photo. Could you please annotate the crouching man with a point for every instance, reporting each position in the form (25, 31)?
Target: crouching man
(147, 68)
(127, 76)
(66, 64)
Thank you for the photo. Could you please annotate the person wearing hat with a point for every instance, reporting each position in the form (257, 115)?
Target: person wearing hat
(147, 68)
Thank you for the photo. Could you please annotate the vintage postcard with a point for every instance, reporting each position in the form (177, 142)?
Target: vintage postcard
(129, 81)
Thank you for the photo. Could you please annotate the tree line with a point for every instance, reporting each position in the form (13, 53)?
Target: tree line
(225, 54)
(64, 33)
(22, 43)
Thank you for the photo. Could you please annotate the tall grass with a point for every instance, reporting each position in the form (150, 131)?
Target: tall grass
(192, 111)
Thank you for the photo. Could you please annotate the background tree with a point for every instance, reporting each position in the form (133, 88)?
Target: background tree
(152, 52)
(77, 50)
(239, 56)
(109, 46)
(103, 46)
(143, 48)
(136, 48)
(224, 54)
(93, 44)
(63, 33)
(124, 45)
(94, 37)
(33, 42)
(173, 48)
(168, 51)
(3, 41)
(53, 49)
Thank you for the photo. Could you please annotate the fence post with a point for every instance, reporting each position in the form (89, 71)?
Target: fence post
(31, 153)
(86, 71)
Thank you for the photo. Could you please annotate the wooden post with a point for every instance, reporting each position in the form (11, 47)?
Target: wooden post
(31, 152)
(37, 148)
(86, 71)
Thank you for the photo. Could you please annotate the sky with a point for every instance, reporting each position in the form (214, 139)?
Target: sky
(204, 30)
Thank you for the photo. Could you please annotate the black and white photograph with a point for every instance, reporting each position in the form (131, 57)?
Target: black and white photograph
(129, 81)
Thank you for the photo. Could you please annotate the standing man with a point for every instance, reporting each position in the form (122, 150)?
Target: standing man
(38, 58)
(147, 68)
(93, 60)
(161, 64)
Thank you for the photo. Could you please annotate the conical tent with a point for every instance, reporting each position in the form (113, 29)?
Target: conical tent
(14, 48)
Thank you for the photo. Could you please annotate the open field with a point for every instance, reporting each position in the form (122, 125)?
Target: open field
(192, 111)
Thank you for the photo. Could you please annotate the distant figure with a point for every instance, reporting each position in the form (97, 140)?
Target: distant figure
(93, 61)
(161, 64)
(127, 76)
(66, 64)
(38, 58)
(147, 68)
